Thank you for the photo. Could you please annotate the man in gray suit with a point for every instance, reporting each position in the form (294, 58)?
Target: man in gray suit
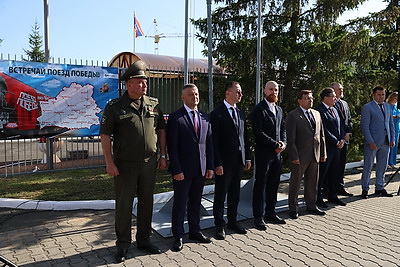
(378, 129)
(306, 148)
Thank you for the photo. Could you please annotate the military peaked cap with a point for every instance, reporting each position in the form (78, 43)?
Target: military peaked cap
(136, 70)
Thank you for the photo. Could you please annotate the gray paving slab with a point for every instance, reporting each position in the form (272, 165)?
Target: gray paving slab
(366, 232)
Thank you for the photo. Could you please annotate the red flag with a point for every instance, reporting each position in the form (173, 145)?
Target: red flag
(136, 26)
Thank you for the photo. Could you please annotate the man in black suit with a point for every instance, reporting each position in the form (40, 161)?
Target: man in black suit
(345, 116)
(334, 138)
(190, 152)
(231, 155)
(270, 136)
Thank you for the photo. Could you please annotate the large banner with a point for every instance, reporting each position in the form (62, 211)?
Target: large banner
(42, 99)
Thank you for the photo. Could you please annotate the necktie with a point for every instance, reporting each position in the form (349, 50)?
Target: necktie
(234, 117)
(311, 119)
(383, 111)
(340, 104)
(332, 112)
(273, 109)
(195, 123)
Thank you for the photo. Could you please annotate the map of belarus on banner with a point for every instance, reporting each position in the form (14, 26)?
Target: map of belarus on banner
(73, 108)
(41, 99)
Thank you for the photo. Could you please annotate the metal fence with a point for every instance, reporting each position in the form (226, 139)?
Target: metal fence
(22, 156)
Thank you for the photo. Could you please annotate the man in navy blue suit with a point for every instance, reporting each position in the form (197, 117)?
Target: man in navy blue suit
(329, 175)
(190, 150)
(231, 156)
(378, 129)
(345, 115)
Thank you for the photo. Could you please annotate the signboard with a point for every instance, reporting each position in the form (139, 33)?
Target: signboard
(42, 99)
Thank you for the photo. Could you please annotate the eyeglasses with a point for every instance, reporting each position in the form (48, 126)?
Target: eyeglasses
(308, 98)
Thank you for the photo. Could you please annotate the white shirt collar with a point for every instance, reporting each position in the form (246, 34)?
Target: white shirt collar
(271, 106)
(228, 106)
(189, 109)
(326, 105)
(305, 110)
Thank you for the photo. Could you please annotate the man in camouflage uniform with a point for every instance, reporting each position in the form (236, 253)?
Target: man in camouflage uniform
(136, 125)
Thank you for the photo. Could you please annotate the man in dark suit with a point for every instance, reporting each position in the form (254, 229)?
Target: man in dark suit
(190, 150)
(345, 115)
(379, 135)
(270, 137)
(231, 155)
(306, 148)
(334, 137)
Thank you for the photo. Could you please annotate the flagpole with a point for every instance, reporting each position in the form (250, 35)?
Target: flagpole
(185, 54)
(46, 31)
(134, 33)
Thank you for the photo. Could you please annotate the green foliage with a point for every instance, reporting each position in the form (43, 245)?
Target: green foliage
(303, 47)
(35, 52)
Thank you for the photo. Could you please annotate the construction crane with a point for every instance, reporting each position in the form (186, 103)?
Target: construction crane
(157, 36)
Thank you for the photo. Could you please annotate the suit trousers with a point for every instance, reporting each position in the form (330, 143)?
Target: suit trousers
(310, 170)
(228, 186)
(381, 154)
(187, 198)
(134, 179)
(265, 189)
(342, 165)
(329, 174)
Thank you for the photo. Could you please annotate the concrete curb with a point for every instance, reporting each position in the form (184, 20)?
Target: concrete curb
(30, 204)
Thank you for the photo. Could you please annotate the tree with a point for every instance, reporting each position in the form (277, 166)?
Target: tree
(305, 48)
(35, 53)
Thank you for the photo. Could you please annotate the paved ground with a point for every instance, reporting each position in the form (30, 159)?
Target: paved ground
(363, 233)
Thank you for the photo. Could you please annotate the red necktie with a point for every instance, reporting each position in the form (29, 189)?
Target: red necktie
(332, 112)
(195, 123)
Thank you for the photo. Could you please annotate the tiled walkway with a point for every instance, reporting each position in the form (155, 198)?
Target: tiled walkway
(363, 233)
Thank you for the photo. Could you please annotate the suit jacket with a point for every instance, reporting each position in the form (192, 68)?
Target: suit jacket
(303, 142)
(189, 153)
(227, 138)
(345, 115)
(268, 130)
(374, 125)
(333, 131)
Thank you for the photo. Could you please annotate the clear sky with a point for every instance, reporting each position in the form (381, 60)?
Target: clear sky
(100, 29)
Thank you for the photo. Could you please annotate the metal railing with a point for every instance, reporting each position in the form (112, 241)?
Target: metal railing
(21, 156)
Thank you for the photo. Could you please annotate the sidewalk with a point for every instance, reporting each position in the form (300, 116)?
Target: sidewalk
(363, 233)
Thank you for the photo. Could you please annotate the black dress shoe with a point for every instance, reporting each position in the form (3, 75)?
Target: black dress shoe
(343, 192)
(321, 204)
(150, 248)
(199, 237)
(178, 244)
(237, 228)
(121, 255)
(316, 211)
(275, 219)
(259, 224)
(336, 201)
(219, 233)
(383, 193)
(364, 194)
(293, 214)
